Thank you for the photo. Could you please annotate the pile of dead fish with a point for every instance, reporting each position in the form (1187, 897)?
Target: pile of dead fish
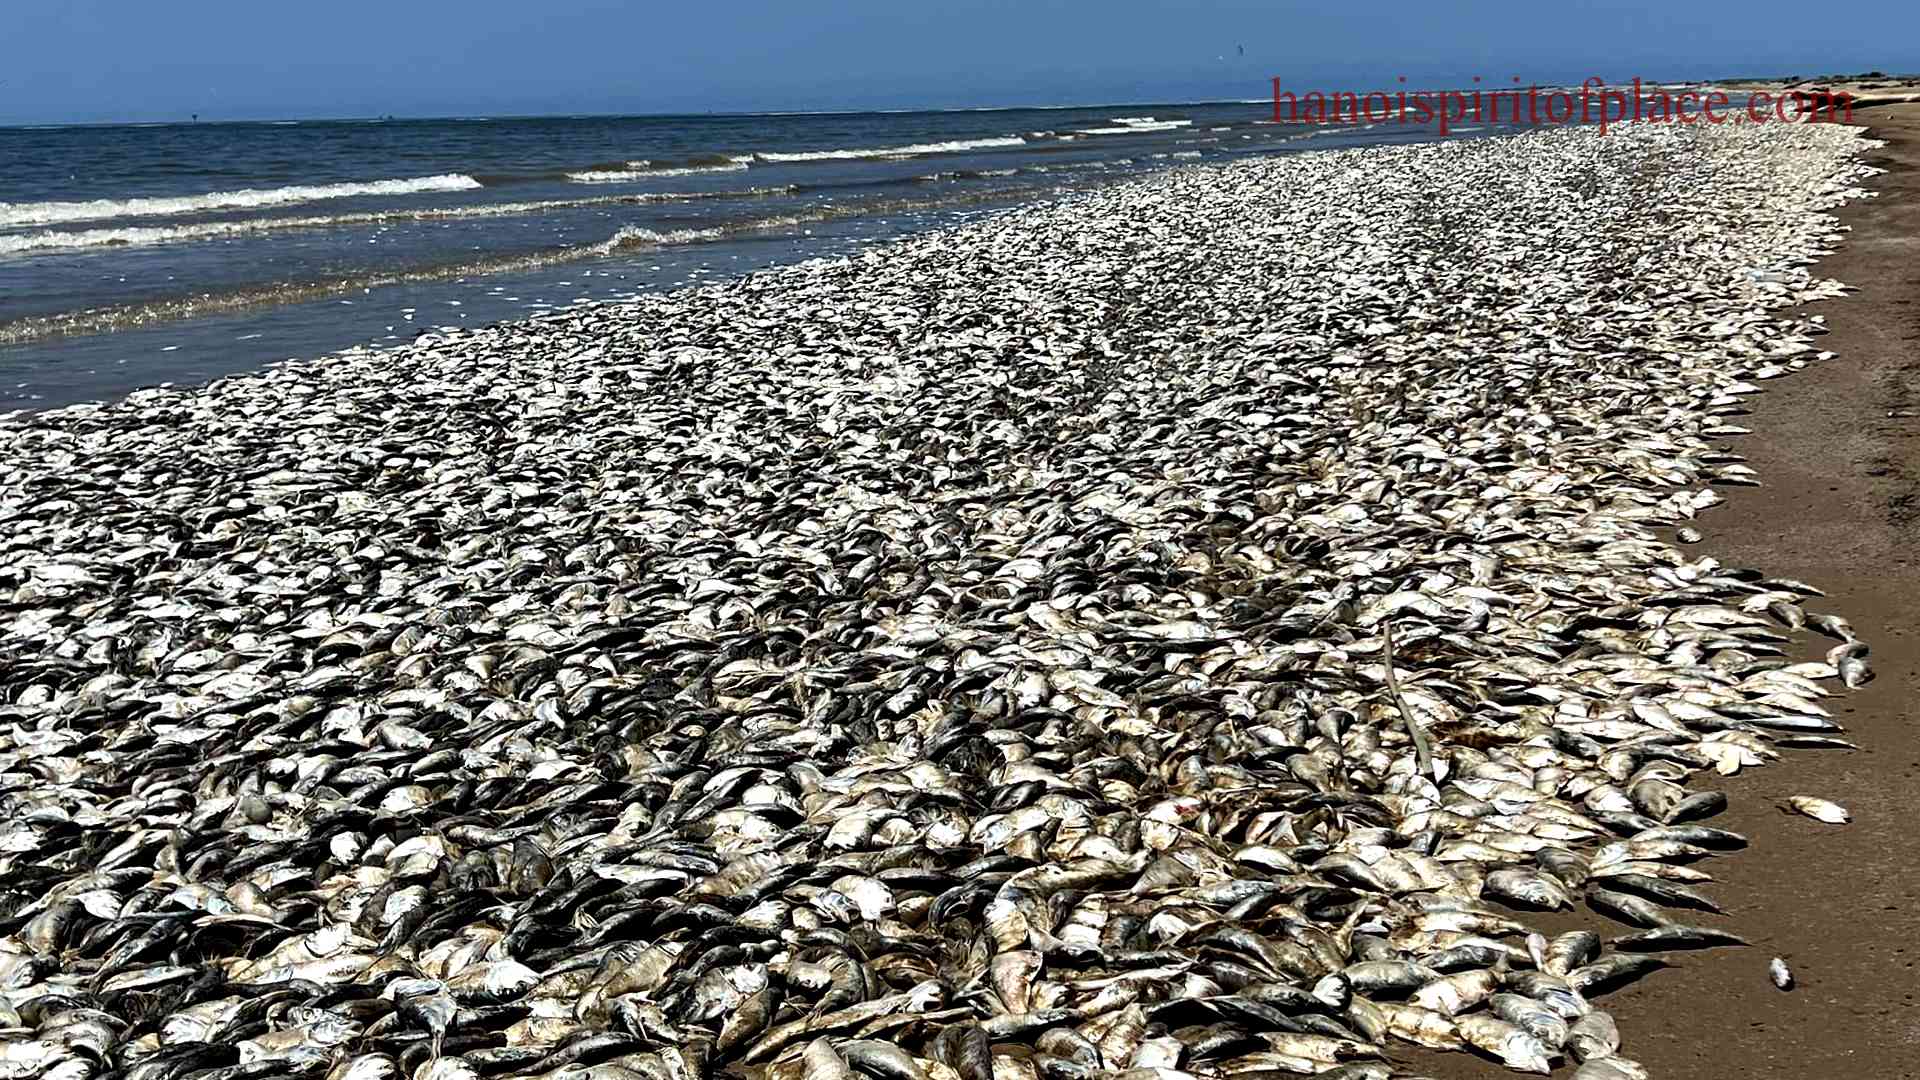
(1179, 630)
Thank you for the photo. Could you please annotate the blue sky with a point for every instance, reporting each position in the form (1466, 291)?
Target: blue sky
(91, 60)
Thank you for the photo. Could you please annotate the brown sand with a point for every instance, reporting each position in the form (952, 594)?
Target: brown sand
(1837, 448)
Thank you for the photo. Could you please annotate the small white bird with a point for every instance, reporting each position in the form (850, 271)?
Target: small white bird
(1781, 975)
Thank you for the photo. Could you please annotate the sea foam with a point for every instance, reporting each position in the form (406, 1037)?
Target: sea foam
(635, 236)
(910, 150)
(141, 235)
(55, 213)
(1135, 125)
(642, 170)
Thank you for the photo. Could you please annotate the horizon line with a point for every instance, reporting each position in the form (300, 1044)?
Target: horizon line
(739, 113)
(375, 118)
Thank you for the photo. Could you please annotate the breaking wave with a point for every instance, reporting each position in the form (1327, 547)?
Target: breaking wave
(909, 150)
(629, 238)
(1136, 125)
(645, 170)
(55, 213)
(141, 235)
(636, 236)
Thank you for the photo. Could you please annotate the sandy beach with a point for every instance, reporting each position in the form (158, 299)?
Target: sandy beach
(1837, 454)
(1249, 619)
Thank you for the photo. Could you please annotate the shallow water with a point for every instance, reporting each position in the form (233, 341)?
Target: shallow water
(131, 255)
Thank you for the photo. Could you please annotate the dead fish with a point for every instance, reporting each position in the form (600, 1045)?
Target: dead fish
(1613, 971)
(1516, 1048)
(1594, 1035)
(1610, 1068)
(1531, 1017)
(1814, 742)
(1662, 938)
(1453, 994)
(1819, 809)
(1832, 625)
(1372, 976)
(1702, 836)
(1527, 889)
(1625, 907)
(1663, 892)
(1569, 950)
(881, 1060)
(822, 1062)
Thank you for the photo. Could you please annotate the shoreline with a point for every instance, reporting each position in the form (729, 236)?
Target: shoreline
(109, 284)
(1838, 454)
(975, 613)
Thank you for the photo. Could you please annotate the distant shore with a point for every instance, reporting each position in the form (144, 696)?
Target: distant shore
(1863, 92)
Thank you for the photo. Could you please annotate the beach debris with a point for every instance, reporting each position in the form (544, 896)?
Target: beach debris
(1187, 628)
(1819, 809)
(1780, 973)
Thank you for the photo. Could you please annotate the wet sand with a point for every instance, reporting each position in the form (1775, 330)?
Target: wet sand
(1837, 449)
(1837, 453)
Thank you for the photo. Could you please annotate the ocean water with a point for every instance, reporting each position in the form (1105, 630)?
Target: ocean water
(141, 254)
